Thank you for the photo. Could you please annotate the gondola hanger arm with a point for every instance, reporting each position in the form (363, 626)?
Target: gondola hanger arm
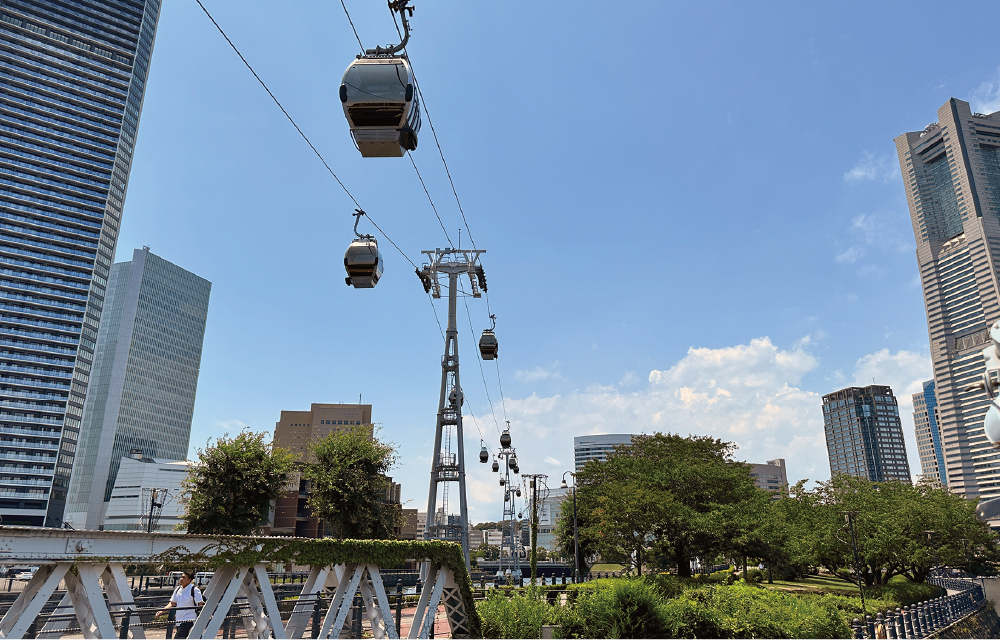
(400, 7)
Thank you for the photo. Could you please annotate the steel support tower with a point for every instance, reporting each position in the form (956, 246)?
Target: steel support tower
(447, 466)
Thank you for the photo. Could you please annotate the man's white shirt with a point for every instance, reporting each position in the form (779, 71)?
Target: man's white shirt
(185, 599)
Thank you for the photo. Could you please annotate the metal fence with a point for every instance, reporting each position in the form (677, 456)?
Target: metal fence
(927, 618)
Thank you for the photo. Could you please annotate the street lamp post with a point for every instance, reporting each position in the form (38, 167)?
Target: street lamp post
(576, 538)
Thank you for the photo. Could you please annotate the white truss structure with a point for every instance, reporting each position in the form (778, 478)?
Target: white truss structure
(90, 564)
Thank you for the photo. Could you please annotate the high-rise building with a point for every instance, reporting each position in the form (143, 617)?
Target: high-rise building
(864, 437)
(928, 435)
(951, 172)
(295, 431)
(144, 377)
(72, 79)
(597, 447)
(770, 476)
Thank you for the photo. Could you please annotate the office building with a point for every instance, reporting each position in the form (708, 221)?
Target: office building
(597, 447)
(295, 431)
(770, 476)
(147, 486)
(864, 437)
(144, 378)
(951, 173)
(549, 510)
(72, 79)
(928, 436)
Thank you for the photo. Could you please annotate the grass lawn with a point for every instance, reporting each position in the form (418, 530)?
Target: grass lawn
(607, 567)
(815, 584)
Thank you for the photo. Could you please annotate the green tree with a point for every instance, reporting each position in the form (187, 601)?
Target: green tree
(348, 485)
(694, 476)
(232, 485)
(487, 552)
(899, 529)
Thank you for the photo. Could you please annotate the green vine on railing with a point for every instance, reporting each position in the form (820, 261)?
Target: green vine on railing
(250, 551)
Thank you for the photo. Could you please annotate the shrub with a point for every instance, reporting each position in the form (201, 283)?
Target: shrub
(755, 576)
(903, 592)
(687, 618)
(519, 616)
(619, 609)
(752, 612)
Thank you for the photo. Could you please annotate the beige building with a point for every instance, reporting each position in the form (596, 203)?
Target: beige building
(951, 173)
(770, 476)
(296, 429)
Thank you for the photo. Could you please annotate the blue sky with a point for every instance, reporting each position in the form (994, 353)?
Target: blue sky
(693, 215)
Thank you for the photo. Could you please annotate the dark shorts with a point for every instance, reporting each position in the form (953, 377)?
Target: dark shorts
(183, 629)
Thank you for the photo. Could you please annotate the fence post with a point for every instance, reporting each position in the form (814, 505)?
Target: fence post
(897, 618)
(123, 632)
(170, 623)
(907, 622)
(356, 617)
(399, 606)
(856, 629)
(316, 616)
(870, 626)
(890, 624)
(879, 626)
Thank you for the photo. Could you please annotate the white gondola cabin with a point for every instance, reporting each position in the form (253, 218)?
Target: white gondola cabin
(381, 105)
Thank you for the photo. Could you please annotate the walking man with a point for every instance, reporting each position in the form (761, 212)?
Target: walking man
(187, 598)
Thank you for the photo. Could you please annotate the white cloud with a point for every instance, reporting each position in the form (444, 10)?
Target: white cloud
(883, 167)
(986, 97)
(747, 394)
(536, 374)
(852, 255)
(750, 394)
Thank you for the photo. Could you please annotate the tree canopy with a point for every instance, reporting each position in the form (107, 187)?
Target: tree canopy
(348, 485)
(666, 499)
(232, 485)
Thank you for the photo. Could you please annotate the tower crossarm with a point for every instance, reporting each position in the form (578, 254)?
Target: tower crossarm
(452, 261)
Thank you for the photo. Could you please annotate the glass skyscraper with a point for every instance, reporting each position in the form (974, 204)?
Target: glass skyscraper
(925, 427)
(951, 173)
(864, 436)
(144, 379)
(72, 79)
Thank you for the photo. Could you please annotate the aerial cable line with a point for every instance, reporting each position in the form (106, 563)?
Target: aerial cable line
(352, 27)
(304, 137)
(440, 222)
(482, 371)
(437, 142)
(461, 210)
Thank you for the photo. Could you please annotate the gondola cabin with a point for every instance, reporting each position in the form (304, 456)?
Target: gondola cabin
(488, 345)
(381, 105)
(363, 262)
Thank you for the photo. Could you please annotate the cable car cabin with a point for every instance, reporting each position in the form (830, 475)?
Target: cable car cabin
(363, 262)
(381, 106)
(488, 345)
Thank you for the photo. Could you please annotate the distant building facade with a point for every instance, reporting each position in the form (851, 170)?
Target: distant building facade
(951, 174)
(295, 431)
(597, 447)
(864, 436)
(140, 482)
(925, 426)
(144, 378)
(549, 510)
(770, 476)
